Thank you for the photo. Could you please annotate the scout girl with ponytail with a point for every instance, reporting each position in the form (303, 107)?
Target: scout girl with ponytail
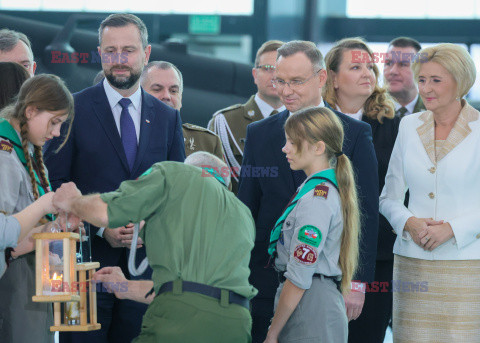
(42, 105)
(315, 241)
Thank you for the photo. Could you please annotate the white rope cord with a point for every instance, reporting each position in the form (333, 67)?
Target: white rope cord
(131, 258)
(222, 129)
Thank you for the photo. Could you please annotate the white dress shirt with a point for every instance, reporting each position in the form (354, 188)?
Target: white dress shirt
(265, 108)
(135, 108)
(410, 106)
(357, 115)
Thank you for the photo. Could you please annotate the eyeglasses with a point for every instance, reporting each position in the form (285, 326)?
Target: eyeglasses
(294, 84)
(266, 67)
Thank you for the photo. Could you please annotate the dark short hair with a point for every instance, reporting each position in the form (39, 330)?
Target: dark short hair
(308, 48)
(121, 20)
(405, 42)
(9, 39)
(13, 77)
(268, 46)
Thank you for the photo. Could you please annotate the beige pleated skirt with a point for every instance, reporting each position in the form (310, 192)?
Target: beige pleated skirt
(436, 301)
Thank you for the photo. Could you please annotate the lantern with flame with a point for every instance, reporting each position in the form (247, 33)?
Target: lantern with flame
(57, 273)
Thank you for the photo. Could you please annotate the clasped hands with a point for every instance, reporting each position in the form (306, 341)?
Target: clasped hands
(428, 233)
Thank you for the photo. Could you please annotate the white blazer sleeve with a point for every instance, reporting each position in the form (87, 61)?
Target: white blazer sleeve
(393, 193)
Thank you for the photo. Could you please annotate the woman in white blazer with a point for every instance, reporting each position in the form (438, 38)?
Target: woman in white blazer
(436, 280)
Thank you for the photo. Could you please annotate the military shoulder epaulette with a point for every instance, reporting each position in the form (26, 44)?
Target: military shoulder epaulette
(197, 128)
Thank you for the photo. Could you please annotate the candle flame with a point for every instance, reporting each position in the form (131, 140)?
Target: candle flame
(57, 277)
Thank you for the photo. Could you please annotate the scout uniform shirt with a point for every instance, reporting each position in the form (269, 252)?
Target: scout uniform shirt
(311, 235)
(195, 229)
(21, 319)
(197, 138)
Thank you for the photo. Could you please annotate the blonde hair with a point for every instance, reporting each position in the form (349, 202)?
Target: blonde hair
(455, 59)
(379, 104)
(45, 92)
(316, 124)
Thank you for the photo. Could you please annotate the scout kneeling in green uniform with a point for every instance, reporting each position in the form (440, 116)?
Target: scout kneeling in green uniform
(198, 238)
(315, 241)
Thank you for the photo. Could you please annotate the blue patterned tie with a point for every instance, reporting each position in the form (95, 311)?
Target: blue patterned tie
(127, 131)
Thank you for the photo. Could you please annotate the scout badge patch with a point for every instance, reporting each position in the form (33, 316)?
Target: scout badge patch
(6, 146)
(305, 254)
(310, 235)
(321, 191)
(310, 184)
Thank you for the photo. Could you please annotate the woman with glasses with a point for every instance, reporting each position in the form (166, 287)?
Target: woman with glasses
(352, 88)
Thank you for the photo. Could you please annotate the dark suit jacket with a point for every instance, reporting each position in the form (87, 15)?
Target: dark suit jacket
(93, 156)
(384, 136)
(268, 194)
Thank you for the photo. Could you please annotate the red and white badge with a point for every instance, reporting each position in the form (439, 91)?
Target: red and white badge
(305, 254)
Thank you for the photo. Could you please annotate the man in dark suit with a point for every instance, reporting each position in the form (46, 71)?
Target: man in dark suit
(119, 131)
(299, 78)
(402, 51)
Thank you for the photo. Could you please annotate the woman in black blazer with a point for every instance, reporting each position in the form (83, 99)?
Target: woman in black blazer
(352, 88)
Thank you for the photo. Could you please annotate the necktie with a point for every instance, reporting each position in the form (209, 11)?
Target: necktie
(127, 131)
(401, 112)
(273, 113)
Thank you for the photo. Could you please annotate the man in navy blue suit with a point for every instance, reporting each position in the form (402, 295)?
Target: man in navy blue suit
(118, 132)
(299, 77)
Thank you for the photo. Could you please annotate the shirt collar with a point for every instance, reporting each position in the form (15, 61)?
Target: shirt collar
(357, 115)
(266, 108)
(410, 106)
(114, 97)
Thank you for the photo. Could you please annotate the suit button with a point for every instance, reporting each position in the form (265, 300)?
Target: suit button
(432, 170)
(431, 195)
(478, 236)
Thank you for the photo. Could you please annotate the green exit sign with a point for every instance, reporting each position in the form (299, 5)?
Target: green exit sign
(204, 24)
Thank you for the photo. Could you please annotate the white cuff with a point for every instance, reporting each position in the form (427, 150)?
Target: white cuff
(100, 232)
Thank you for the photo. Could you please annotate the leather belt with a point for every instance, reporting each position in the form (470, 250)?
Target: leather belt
(221, 294)
(282, 278)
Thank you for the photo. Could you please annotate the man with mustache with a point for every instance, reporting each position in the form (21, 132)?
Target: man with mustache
(118, 133)
(399, 76)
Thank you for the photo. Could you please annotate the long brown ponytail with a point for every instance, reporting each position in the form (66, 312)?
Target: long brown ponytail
(321, 124)
(44, 92)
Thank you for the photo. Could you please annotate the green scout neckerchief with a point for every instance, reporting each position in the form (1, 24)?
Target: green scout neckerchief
(8, 132)
(215, 174)
(320, 177)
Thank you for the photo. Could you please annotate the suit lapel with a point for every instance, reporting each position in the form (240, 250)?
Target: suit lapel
(146, 124)
(460, 130)
(278, 142)
(105, 117)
